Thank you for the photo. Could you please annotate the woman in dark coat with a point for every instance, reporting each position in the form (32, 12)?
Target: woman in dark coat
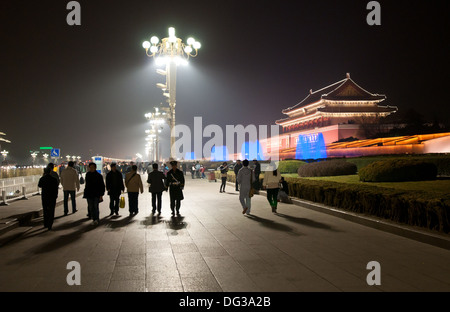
(175, 182)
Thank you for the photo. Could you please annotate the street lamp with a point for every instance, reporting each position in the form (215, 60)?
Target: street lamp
(171, 52)
(45, 155)
(156, 119)
(4, 153)
(33, 154)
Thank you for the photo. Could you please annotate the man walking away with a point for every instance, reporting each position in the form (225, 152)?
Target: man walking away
(133, 182)
(53, 173)
(223, 173)
(236, 169)
(49, 186)
(70, 181)
(245, 177)
(257, 172)
(157, 181)
(115, 187)
(175, 180)
(93, 192)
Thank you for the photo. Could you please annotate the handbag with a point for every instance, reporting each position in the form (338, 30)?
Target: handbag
(252, 190)
(122, 202)
(81, 180)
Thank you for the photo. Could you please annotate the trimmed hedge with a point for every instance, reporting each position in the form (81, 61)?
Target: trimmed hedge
(442, 162)
(398, 170)
(290, 166)
(408, 207)
(326, 168)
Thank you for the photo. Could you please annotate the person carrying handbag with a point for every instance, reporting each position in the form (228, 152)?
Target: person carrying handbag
(134, 185)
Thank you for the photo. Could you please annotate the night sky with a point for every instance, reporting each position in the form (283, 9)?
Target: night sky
(85, 89)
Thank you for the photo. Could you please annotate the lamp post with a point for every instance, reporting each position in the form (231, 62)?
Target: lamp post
(33, 154)
(156, 119)
(171, 52)
(4, 153)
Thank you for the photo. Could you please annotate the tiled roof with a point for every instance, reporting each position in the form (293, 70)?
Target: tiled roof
(344, 90)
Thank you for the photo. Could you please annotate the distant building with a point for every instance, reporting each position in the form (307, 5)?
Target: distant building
(335, 112)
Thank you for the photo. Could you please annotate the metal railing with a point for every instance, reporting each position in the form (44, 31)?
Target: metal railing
(19, 187)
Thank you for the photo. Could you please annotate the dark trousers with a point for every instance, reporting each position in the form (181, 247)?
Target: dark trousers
(156, 197)
(133, 201)
(175, 203)
(114, 201)
(224, 182)
(48, 206)
(237, 185)
(272, 197)
(66, 201)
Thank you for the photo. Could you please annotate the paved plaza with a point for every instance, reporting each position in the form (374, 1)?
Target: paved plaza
(213, 247)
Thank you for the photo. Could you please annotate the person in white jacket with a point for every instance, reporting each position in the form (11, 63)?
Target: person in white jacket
(70, 181)
(245, 178)
(271, 182)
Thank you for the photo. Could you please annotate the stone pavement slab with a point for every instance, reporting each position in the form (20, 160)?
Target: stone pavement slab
(213, 247)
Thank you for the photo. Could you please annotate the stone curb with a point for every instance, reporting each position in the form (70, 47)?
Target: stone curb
(418, 234)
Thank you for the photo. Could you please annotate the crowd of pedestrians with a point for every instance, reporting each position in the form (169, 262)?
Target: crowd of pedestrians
(128, 176)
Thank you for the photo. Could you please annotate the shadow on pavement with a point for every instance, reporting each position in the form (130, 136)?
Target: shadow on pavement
(152, 220)
(113, 223)
(273, 225)
(176, 223)
(307, 222)
(55, 243)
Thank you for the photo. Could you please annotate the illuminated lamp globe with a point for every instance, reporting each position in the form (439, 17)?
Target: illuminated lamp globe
(190, 41)
(154, 49)
(197, 45)
(188, 49)
(146, 44)
(154, 40)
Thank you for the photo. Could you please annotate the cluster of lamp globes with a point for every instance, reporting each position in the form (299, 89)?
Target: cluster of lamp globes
(155, 46)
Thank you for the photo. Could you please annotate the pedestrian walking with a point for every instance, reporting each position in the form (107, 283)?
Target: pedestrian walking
(236, 169)
(197, 170)
(49, 187)
(157, 181)
(223, 173)
(257, 172)
(70, 182)
(175, 182)
(202, 171)
(271, 182)
(245, 179)
(184, 167)
(53, 172)
(283, 193)
(115, 187)
(93, 192)
(133, 182)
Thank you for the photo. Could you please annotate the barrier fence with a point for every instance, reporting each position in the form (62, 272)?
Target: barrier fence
(19, 187)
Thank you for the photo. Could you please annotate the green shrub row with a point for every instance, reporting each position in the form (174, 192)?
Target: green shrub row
(442, 162)
(325, 168)
(407, 207)
(398, 170)
(290, 166)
